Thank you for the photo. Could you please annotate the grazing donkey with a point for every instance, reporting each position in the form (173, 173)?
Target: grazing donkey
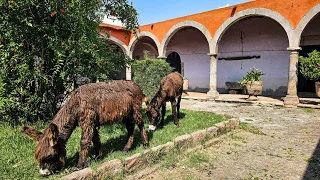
(89, 106)
(171, 88)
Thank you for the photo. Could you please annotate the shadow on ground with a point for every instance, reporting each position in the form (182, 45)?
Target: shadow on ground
(313, 170)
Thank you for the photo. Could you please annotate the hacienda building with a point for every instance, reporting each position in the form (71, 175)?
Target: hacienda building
(221, 45)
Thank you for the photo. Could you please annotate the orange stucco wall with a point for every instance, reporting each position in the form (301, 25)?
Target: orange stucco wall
(293, 10)
(117, 32)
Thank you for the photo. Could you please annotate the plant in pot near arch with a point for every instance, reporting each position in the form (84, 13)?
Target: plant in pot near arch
(253, 84)
(310, 68)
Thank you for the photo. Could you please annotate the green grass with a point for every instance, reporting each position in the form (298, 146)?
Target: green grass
(17, 161)
(251, 128)
(308, 110)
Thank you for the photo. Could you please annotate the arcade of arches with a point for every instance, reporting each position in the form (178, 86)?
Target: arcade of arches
(210, 51)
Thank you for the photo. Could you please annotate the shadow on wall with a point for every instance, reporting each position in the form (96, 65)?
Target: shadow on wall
(198, 89)
(281, 91)
(313, 169)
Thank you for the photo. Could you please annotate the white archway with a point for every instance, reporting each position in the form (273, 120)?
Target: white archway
(135, 39)
(179, 26)
(118, 42)
(308, 17)
(247, 13)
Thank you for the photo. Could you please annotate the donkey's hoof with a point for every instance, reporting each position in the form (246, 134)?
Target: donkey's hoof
(146, 145)
(126, 149)
(82, 165)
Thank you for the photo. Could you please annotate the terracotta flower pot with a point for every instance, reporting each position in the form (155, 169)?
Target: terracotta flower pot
(254, 88)
(318, 89)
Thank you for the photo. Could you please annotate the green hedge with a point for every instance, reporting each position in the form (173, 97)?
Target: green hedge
(310, 66)
(148, 74)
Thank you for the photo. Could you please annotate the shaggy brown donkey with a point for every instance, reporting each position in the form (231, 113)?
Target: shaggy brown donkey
(89, 107)
(171, 88)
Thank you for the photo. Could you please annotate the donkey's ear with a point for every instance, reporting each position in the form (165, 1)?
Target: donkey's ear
(31, 133)
(53, 134)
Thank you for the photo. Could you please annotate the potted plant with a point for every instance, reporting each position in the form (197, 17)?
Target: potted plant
(252, 82)
(185, 83)
(310, 68)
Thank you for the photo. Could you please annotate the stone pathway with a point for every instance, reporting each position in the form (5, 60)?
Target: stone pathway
(290, 148)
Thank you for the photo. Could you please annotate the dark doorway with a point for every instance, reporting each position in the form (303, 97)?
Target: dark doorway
(174, 60)
(306, 85)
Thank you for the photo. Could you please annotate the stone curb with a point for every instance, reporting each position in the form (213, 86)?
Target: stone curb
(137, 161)
(83, 174)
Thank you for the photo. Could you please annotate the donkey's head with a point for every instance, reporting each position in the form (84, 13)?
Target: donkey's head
(50, 151)
(153, 116)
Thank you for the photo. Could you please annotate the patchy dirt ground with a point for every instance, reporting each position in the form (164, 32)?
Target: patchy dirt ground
(290, 148)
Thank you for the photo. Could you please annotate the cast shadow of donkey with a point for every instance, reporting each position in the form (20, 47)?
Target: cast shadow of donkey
(89, 106)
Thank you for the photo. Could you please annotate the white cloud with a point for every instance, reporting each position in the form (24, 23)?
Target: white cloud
(227, 5)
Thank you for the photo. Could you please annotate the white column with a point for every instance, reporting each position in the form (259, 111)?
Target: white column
(128, 68)
(128, 73)
(292, 100)
(213, 76)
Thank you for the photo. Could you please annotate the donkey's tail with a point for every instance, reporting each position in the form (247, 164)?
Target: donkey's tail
(185, 92)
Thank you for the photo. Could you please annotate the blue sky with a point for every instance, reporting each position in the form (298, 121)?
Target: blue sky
(151, 11)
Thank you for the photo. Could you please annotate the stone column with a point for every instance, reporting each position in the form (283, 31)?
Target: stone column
(292, 100)
(128, 68)
(162, 57)
(213, 76)
(128, 73)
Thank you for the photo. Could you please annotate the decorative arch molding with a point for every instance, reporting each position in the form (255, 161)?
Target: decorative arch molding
(308, 17)
(286, 25)
(118, 42)
(135, 39)
(179, 26)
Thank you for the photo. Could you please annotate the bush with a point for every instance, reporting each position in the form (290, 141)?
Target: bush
(148, 74)
(253, 75)
(310, 66)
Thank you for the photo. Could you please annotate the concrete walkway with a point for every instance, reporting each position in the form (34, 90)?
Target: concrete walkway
(306, 102)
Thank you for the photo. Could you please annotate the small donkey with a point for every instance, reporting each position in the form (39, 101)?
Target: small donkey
(171, 88)
(89, 107)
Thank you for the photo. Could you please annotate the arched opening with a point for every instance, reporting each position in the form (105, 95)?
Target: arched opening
(174, 60)
(144, 44)
(254, 41)
(310, 40)
(121, 75)
(192, 47)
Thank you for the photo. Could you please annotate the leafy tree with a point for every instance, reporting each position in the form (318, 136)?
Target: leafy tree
(310, 66)
(46, 45)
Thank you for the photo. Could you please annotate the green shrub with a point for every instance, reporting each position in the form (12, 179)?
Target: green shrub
(148, 74)
(310, 66)
(253, 75)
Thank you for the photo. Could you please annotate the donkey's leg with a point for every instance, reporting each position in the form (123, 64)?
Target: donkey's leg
(130, 129)
(174, 112)
(144, 136)
(163, 113)
(137, 118)
(87, 127)
(178, 107)
(97, 143)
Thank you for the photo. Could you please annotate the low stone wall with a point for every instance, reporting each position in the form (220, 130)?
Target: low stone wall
(138, 161)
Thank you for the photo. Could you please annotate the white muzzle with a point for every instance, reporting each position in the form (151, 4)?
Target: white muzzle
(152, 127)
(44, 172)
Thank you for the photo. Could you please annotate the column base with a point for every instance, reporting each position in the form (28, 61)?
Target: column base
(214, 94)
(291, 101)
